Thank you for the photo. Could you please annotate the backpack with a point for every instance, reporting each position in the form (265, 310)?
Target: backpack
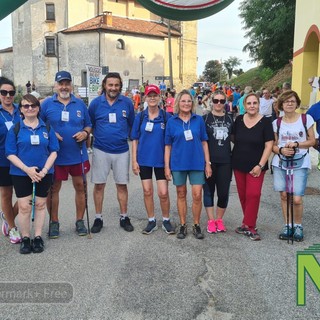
(304, 121)
(164, 114)
(16, 128)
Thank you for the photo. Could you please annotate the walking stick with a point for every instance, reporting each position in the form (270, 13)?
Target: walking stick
(289, 187)
(50, 207)
(84, 179)
(33, 200)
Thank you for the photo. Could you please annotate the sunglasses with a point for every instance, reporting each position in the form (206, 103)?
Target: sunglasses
(27, 106)
(5, 93)
(222, 101)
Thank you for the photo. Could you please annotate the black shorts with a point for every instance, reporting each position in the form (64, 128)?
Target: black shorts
(146, 173)
(5, 177)
(23, 186)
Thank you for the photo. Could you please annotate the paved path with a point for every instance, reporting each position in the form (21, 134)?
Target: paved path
(119, 275)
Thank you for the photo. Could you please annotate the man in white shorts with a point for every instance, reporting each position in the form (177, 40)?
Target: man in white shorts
(112, 116)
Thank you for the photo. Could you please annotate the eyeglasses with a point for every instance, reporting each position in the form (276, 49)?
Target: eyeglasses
(221, 101)
(5, 93)
(290, 102)
(27, 106)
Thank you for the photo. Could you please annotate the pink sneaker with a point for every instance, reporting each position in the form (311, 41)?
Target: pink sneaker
(220, 226)
(211, 228)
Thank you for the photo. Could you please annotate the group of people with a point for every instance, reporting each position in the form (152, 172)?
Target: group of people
(41, 146)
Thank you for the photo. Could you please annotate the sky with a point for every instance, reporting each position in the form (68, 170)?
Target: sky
(219, 37)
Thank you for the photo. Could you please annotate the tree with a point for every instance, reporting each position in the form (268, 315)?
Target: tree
(270, 30)
(230, 64)
(212, 71)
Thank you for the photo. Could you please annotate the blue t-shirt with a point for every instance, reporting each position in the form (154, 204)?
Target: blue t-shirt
(6, 117)
(186, 155)
(151, 143)
(236, 97)
(314, 112)
(111, 123)
(31, 155)
(51, 112)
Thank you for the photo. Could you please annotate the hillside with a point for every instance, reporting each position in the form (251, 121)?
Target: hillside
(259, 77)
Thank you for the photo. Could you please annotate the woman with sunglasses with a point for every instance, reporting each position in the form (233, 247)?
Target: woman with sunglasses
(187, 155)
(293, 137)
(253, 140)
(9, 115)
(219, 127)
(31, 147)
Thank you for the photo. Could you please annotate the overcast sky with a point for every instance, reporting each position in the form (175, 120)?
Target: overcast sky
(219, 37)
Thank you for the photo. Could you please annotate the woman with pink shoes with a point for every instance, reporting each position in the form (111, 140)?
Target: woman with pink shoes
(218, 126)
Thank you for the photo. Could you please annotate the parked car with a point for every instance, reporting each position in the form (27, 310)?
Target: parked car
(202, 85)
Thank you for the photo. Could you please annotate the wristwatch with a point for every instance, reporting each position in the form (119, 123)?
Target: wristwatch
(261, 167)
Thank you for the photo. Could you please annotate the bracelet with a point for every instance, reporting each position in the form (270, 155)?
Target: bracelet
(297, 144)
(280, 150)
(46, 169)
(260, 166)
(87, 132)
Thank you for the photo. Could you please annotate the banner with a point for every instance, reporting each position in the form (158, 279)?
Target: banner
(94, 81)
(184, 10)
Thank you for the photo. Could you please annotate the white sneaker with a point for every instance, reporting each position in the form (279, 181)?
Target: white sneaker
(14, 235)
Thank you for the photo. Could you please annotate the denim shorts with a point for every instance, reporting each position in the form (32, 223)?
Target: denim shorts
(195, 177)
(300, 177)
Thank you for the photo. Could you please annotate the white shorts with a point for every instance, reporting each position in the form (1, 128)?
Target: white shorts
(102, 162)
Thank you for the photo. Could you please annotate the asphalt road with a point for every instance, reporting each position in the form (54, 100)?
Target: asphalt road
(120, 275)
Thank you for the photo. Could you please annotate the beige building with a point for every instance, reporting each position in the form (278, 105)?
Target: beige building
(306, 57)
(68, 34)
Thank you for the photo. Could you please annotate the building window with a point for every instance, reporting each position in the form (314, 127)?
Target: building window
(50, 14)
(120, 44)
(50, 46)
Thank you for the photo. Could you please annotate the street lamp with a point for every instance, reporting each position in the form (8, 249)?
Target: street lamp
(142, 59)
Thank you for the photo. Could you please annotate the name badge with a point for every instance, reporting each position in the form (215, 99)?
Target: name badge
(65, 116)
(34, 139)
(8, 124)
(219, 134)
(188, 135)
(112, 118)
(149, 126)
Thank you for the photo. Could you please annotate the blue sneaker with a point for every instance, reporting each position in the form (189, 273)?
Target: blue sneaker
(151, 226)
(286, 233)
(80, 228)
(298, 233)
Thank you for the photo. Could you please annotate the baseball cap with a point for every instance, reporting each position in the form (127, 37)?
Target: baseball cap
(152, 88)
(63, 75)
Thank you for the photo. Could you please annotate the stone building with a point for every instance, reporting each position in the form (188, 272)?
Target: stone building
(68, 34)
(306, 51)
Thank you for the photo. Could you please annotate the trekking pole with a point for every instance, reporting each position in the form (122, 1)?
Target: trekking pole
(291, 196)
(33, 200)
(50, 207)
(84, 179)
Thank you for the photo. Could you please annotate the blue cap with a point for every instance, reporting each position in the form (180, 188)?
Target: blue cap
(63, 75)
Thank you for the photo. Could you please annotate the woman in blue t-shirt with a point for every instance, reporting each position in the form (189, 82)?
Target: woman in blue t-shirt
(148, 155)
(187, 154)
(32, 149)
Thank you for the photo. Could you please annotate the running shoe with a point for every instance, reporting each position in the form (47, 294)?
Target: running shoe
(37, 245)
(54, 230)
(168, 227)
(196, 230)
(25, 246)
(97, 225)
(220, 225)
(298, 233)
(182, 231)
(14, 235)
(211, 227)
(151, 226)
(81, 228)
(126, 224)
(242, 230)
(286, 233)
(253, 234)
(5, 226)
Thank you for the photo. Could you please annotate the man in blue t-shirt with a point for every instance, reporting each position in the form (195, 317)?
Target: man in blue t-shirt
(70, 119)
(112, 116)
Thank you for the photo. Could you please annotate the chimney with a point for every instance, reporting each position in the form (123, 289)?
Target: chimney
(107, 18)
